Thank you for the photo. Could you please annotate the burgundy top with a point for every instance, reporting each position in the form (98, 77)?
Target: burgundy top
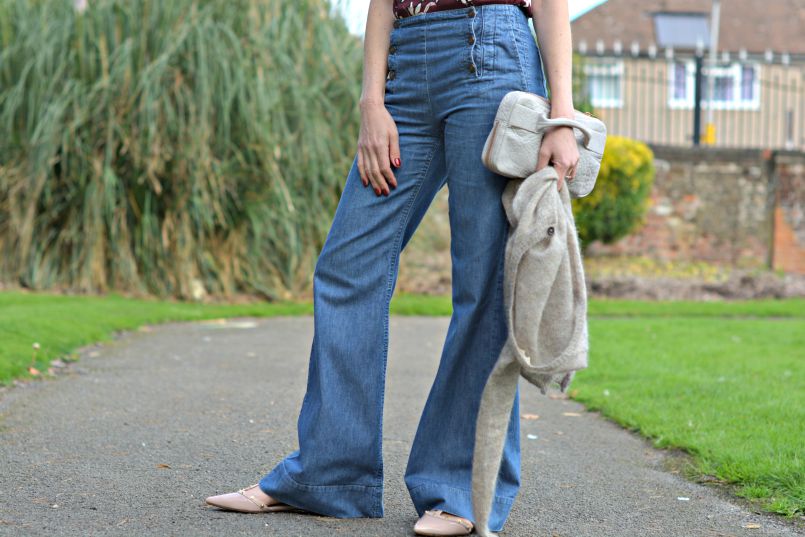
(406, 8)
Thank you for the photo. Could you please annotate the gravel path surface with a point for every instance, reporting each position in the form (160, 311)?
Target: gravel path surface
(140, 430)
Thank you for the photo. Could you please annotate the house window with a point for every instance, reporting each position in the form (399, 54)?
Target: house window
(681, 76)
(680, 82)
(722, 87)
(605, 83)
(735, 85)
(748, 83)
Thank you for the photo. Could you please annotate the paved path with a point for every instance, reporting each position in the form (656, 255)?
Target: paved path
(143, 428)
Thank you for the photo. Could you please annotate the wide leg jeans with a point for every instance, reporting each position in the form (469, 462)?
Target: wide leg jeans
(448, 71)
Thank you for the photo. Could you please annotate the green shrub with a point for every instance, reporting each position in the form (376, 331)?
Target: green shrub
(617, 205)
(579, 79)
(152, 146)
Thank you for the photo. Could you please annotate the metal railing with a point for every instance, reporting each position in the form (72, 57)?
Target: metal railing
(664, 100)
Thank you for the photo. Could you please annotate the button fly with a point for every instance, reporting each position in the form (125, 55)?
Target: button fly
(392, 49)
(471, 39)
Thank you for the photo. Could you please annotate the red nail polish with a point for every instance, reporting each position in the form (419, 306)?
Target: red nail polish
(397, 162)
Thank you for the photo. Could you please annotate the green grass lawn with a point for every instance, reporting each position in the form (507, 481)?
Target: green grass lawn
(729, 390)
(723, 380)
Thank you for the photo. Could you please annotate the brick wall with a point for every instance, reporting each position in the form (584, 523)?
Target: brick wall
(742, 208)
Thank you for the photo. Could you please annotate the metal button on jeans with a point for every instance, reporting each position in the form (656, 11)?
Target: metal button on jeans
(472, 68)
(391, 75)
(472, 39)
(550, 230)
(471, 12)
(392, 49)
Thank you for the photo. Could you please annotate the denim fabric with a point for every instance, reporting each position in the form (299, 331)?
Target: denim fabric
(451, 70)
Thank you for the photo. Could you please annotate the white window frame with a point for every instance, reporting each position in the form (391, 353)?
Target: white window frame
(611, 67)
(675, 102)
(733, 70)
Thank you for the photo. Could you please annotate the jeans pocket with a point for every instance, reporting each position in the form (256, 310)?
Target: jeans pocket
(511, 53)
(504, 42)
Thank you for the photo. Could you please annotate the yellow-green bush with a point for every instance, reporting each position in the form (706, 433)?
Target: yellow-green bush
(617, 205)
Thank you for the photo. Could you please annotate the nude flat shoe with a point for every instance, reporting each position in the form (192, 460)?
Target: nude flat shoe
(436, 523)
(245, 501)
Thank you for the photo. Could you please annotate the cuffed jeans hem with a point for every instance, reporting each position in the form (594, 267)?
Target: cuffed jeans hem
(340, 501)
(458, 501)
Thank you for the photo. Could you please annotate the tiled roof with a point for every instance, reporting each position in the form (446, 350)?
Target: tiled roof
(755, 25)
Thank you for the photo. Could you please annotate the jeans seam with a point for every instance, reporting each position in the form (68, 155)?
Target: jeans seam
(495, 303)
(394, 258)
(489, 45)
(468, 492)
(499, 287)
(392, 65)
(520, 62)
(425, 67)
(492, 51)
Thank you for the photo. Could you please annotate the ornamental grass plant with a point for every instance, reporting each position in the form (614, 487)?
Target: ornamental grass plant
(173, 147)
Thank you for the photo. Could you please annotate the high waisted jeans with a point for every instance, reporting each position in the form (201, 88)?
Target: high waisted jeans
(451, 70)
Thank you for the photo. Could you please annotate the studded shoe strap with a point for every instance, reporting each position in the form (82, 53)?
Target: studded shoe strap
(251, 497)
(452, 518)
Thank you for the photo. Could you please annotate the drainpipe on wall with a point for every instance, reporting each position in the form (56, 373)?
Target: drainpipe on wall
(772, 200)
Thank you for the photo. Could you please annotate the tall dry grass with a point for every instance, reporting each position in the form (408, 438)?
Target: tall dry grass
(150, 145)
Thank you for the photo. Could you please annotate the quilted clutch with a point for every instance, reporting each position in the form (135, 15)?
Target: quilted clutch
(512, 146)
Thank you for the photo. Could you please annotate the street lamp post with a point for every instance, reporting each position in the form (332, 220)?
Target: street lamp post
(710, 128)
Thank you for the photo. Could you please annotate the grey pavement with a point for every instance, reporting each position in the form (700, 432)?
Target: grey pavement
(141, 429)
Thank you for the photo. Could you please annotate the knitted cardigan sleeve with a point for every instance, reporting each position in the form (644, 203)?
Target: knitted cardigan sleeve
(546, 305)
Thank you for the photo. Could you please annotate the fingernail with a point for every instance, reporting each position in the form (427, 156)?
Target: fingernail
(397, 162)
(377, 191)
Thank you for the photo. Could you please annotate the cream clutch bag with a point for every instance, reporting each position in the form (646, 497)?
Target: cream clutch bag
(513, 143)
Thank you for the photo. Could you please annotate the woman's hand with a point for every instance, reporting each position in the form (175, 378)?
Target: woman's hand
(378, 147)
(560, 149)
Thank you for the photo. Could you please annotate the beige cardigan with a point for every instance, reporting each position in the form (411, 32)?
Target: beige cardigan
(545, 297)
